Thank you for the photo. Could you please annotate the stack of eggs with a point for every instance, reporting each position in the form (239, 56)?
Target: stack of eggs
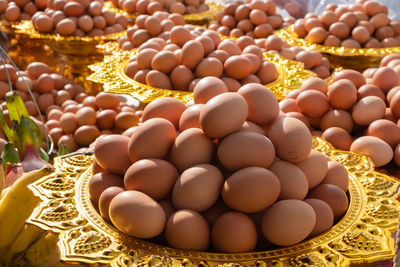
(363, 24)
(171, 6)
(193, 53)
(224, 175)
(366, 107)
(78, 18)
(15, 10)
(148, 26)
(257, 19)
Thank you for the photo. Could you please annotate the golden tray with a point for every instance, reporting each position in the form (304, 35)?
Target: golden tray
(354, 58)
(196, 18)
(363, 235)
(111, 73)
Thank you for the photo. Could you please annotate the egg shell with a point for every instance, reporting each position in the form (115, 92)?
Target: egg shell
(380, 152)
(192, 53)
(136, 214)
(223, 115)
(234, 232)
(154, 177)
(185, 193)
(370, 90)
(312, 103)
(107, 100)
(86, 116)
(294, 183)
(245, 149)
(100, 182)
(191, 147)
(116, 161)
(153, 139)
(207, 88)
(190, 118)
(324, 215)
(164, 61)
(333, 196)
(125, 120)
(179, 35)
(86, 134)
(238, 67)
(158, 79)
(337, 175)
(209, 67)
(168, 108)
(368, 109)
(251, 189)
(68, 122)
(105, 119)
(315, 83)
(338, 137)
(232, 84)
(314, 175)
(105, 199)
(357, 78)
(181, 77)
(339, 29)
(386, 130)
(288, 222)
(337, 118)
(385, 78)
(66, 26)
(342, 94)
(291, 138)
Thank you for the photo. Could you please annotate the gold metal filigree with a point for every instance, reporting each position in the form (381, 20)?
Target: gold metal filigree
(196, 18)
(111, 73)
(357, 58)
(362, 235)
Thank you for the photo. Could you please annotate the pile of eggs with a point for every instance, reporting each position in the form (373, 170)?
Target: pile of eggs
(363, 24)
(228, 175)
(78, 18)
(72, 118)
(356, 112)
(148, 26)
(257, 19)
(15, 10)
(171, 6)
(193, 53)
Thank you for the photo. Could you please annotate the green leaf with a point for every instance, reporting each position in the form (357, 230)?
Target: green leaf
(62, 150)
(16, 107)
(43, 155)
(10, 154)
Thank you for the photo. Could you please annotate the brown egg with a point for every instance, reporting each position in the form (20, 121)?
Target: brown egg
(294, 184)
(337, 118)
(339, 29)
(338, 137)
(234, 232)
(207, 88)
(288, 222)
(306, 58)
(291, 138)
(263, 107)
(44, 83)
(371, 8)
(168, 108)
(192, 53)
(317, 35)
(315, 83)
(136, 214)
(86, 116)
(100, 181)
(380, 152)
(307, 166)
(249, 126)
(54, 114)
(312, 103)
(34, 70)
(337, 175)
(86, 134)
(66, 26)
(154, 177)
(395, 104)
(370, 90)
(125, 120)
(342, 94)
(238, 67)
(42, 23)
(328, 17)
(209, 67)
(68, 122)
(386, 130)
(158, 79)
(153, 139)
(190, 118)
(387, 59)
(187, 229)
(385, 78)
(69, 142)
(333, 196)
(267, 72)
(105, 119)
(105, 199)
(164, 61)
(251, 189)
(368, 109)
(350, 43)
(179, 35)
(223, 115)
(324, 215)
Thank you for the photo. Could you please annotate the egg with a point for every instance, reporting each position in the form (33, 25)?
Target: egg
(124, 120)
(291, 138)
(338, 137)
(368, 109)
(187, 229)
(262, 105)
(185, 194)
(234, 232)
(116, 161)
(100, 182)
(251, 189)
(288, 222)
(68, 122)
(370, 90)
(333, 196)
(207, 88)
(294, 183)
(181, 76)
(154, 177)
(385, 78)
(380, 152)
(105, 119)
(337, 118)
(164, 61)
(179, 35)
(168, 108)
(314, 175)
(245, 149)
(324, 215)
(312, 103)
(357, 78)
(339, 29)
(337, 175)
(86, 134)
(238, 67)
(249, 126)
(136, 214)
(66, 26)
(314, 83)
(145, 57)
(153, 139)
(209, 67)
(386, 130)
(86, 116)
(192, 53)
(267, 72)
(107, 100)
(190, 118)
(105, 199)
(317, 35)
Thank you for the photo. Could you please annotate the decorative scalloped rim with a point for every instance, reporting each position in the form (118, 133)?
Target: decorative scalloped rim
(196, 18)
(111, 73)
(289, 36)
(322, 250)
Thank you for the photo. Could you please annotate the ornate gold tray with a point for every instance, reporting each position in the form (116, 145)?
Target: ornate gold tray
(111, 73)
(362, 235)
(196, 19)
(355, 58)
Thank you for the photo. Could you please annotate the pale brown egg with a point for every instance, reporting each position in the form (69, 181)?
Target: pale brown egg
(125, 120)
(337, 118)
(234, 232)
(44, 83)
(288, 222)
(342, 94)
(100, 182)
(370, 90)
(361, 34)
(288, 105)
(86, 134)
(337, 175)
(190, 118)
(332, 40)
(43, 23)
(314, 175)
(380, 152)
(209, 67)
(312, 103)
(158, 79)
(333, 196)
(69, 142)
(34, 70)
(386, 130)
(238, 67)
(385, 78)
(154, 177)
(179, 35)
(66, 26)
(105, 199)
(324, 215)
(168, 108)
(105, 119)
(315, 83)
(192, 53)
(339, 29)
(68, 122)
(328, 17)
(317, 35)
(164, 61)
(368, 109)
(338, 137)
(267, 72)
(207, 88)
(86, 116)
(294, 183)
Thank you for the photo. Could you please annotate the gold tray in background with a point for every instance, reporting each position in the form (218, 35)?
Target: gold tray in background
(354, 58)
(196, 18)
(111, 73)
(363, 235)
